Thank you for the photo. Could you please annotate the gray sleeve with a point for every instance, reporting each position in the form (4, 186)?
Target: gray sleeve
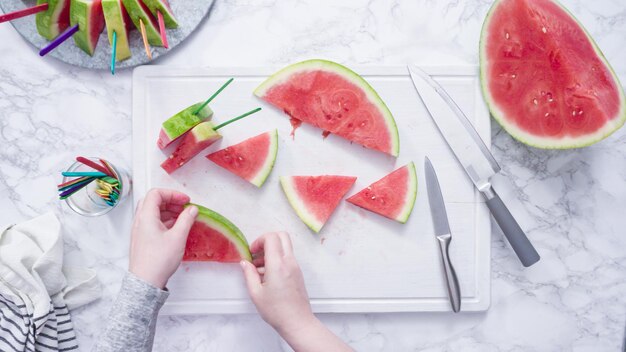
(131, 323)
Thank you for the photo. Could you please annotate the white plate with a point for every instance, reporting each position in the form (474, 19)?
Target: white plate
(360, 262)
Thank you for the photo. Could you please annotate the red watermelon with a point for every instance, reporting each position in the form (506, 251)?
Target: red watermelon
(314, 198)
(252, 159)
(334, 98)
(545, 80)
(194, 142)
(214, 238)
(393, 196)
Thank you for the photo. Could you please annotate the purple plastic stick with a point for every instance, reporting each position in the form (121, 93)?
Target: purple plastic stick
(58, 40)
(74, 188)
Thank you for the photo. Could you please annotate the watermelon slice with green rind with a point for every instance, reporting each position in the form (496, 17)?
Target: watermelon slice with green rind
(214, 238)
(162, 6)
(138, 10)
(194, 142)
(314, 198)
(334, 98)
(117, 20)
(88, 15)
(544, 78)
(54, 20)
(393, 196)
(252, 159)
(181, 122)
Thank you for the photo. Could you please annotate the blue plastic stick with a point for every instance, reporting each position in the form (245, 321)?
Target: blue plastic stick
(113, 52)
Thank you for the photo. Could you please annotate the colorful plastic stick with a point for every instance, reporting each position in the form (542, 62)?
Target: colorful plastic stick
(23, 13)
(59, 40)
(236, 118)
(95, 166)
(68, 192)
(87, 180)
(74, 181)
(145, 39)
(113, 52)
(212, 96)
(162, 29)
(82, 173)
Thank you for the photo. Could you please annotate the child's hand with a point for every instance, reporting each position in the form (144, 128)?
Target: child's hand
(159, 235)
(277, 286)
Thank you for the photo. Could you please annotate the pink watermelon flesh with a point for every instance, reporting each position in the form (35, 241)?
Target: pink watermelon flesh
(388, 196)
(205, 243)
(194, 142)
(246, 159)
(547, 82)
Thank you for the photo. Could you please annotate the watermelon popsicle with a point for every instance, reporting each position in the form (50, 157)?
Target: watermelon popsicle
(117, 21)
(54, 20)
(164, 8)
(88, 15)
(181, 122)
(138, 11)
(198, 139)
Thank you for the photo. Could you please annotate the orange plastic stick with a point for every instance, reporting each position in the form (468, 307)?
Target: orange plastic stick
(145, 39)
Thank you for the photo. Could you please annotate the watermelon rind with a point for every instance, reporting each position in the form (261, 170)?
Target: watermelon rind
(137, 10)
(538, 141)
(50, 23)
(225, 227)
(320, 64)
(114, 19)
(297, 204)
(411, 195)
(265, 171)
(184, 120)
(156, 6)
(80, 13)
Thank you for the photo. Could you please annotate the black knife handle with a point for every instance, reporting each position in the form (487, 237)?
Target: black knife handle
(512, 231)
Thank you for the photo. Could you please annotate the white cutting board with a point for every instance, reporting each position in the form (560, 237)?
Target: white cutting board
(360, 262)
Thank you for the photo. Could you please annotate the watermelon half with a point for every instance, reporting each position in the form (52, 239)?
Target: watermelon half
(117, 20)
(164, 8)
(393, 196)
(314, 198)
(252, 159)
(214, 238)
(545, 80)
(181, 122)
(54, 20)
(334, 98)
(88, 15)
(137, 10)
(198, 139)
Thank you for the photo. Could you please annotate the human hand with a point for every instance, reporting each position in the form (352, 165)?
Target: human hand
(276, 285)
(159, 235)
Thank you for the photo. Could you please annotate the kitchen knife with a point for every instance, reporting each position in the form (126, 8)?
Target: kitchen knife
(442, 232)
(473, 155)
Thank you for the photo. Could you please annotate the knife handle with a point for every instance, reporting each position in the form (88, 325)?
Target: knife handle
(511, 229)
(454, 292)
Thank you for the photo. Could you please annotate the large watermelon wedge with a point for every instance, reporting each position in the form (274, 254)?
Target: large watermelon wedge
(214, 238)
(393, 196)
(54, 20)
(252, 159)
(137, 10)
(181, 122)
(88, 15)
(314, 198)
(117, 20)
(198, 139)
(334, 98)
(545, 80)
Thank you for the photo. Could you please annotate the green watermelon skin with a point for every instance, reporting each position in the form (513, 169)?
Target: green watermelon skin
(179, 124)
(54, 20)
(88, 15)
(138, 10)
(570, 97)
(192, 143)
(117, 20)
(162, 6)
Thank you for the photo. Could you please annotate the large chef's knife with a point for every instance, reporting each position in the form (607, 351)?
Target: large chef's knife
(442, 232)
(474, 156)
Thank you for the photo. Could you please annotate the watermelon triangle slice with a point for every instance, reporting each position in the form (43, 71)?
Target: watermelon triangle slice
(314, 198)
(54, 20)
(88, 15)
(137, 10)
(214, 238)
(252, 159)
(184, 120)
(393, 196)
(334, 98)
(195, 141)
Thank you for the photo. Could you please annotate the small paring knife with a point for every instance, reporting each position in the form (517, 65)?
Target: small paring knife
(443, 233)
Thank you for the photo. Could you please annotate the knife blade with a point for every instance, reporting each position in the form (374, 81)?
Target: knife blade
(442, 233)
(473, 155)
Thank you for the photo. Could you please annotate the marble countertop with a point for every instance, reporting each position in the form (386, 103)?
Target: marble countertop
(572, 203)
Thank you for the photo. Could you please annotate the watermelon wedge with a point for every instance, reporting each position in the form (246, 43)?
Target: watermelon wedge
(164, 8)
(181, 122)
(88, 15)
(545, 80)
(252, 159)
(314, 198)
(117, 20)
(214, 238)
(198, 139)
(54, 20)
(137, 10)
(393, 196)
(332, 97)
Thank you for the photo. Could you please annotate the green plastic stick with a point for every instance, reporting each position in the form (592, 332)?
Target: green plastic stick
(236, 118)
(212, 96)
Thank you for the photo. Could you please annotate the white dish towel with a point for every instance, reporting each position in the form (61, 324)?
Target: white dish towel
(37, 291)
